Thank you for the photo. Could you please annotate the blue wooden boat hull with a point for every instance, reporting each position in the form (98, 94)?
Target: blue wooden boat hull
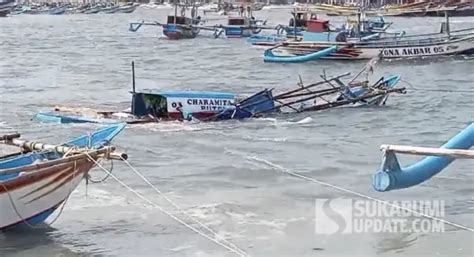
(257, 103)
(172, 31)
(64, 118)
(392, 176)
(255, 39)
(240, 31)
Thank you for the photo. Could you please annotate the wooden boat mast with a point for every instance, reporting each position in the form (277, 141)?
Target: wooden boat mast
(133, 77)
(175, 10)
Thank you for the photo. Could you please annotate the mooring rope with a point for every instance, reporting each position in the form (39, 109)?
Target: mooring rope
(139, 174)
(235, 250)
(287, 171)
(89, 177)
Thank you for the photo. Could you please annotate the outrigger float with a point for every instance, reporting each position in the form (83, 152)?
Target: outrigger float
(37, 179)
(155, 106)
(392, 176)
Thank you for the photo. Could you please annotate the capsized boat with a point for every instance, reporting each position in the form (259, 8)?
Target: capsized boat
(148, 105)
(393, 176)
(154, 106)
(328, 93)
(35, 181)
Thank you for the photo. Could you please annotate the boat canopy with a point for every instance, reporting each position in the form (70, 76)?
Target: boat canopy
(179, 20)
(172, 104)
(188, 94)
(236, 21)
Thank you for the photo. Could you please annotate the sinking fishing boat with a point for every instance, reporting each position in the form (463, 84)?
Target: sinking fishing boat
(148, 106)
(176, 26)
(393, 176)
(326, 94)
(156, 106)
(38, 179)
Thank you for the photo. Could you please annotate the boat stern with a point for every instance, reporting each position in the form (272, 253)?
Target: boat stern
(172, 31)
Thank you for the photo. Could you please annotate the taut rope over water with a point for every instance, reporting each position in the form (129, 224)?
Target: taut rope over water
(287, 171)
(224, 243)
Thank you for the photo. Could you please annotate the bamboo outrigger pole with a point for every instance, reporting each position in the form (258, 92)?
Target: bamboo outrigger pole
(38, 146)
(416, 150)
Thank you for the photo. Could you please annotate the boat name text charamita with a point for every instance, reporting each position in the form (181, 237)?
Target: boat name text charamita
(202, 104)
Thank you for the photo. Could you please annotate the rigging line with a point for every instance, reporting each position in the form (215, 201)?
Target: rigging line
(238, 252)
(177, 207)
(436, 90)
(285, 170)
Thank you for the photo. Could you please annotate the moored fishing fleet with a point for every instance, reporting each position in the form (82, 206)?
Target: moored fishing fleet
(58, 8)
(37, 179)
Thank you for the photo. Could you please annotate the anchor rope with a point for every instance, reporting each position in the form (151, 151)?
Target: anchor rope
(287, 171)
(175, 205)
(89, 177)
(236, 250)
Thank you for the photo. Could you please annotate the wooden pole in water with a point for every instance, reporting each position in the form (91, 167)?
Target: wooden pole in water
(294, 23)
(133, 77)
(175, 10)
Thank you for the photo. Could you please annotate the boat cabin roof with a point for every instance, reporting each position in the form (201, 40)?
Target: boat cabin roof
(179, 20)
(304, 15)
(189, 94)
(236, 21)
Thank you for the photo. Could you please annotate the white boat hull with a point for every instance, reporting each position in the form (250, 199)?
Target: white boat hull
(35, 194)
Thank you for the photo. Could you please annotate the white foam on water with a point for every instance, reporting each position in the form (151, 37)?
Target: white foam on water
(80, 199)
(266, 139)
(305, 120)
(174, 126)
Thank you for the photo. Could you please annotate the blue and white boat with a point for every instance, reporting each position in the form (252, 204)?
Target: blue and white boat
(37, 180)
